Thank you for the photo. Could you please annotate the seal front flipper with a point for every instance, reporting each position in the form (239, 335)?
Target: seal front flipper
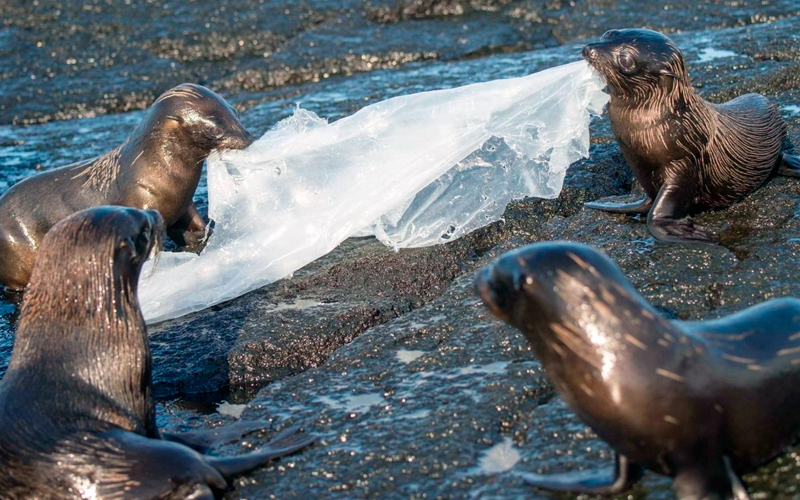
(790, 166)
(669, 222)
(285, 443)
(711, 480)
(189, 232)
(640, 207)
(625, 475)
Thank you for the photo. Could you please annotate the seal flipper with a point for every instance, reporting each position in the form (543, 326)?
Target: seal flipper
(285, 443)
(669, 221)
(626, 473)
(167, 468)
(711, 480)
(206, 439)
(189, 232)
(640, 207)
(790, 166)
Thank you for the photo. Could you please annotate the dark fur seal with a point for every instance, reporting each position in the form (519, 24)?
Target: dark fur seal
(689, 155)
(157, 167)
(77, 415)
(699, 401)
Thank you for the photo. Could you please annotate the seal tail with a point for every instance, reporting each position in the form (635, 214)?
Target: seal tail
(790, 167)
(285, 443)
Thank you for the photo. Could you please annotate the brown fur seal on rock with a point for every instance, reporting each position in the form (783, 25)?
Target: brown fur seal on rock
(689, 155)
(698, 401)
(77, 416)
(157, 167)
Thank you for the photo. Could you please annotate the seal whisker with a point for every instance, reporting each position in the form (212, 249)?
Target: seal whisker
(670, 375)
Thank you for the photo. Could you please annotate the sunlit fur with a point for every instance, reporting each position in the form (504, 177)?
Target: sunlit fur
(185, 112)
(672, 396)
(715, 153)
(157, 167)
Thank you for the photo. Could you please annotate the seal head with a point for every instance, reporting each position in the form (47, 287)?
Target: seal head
(634, 63)
(701, 402)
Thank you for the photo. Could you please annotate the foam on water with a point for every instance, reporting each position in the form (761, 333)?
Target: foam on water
(499, 458)
(407, 356)
(359, 403)
(413, 170)
(710, 53)
(792, 109)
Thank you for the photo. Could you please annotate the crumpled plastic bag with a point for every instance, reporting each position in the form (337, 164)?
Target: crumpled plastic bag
(413, 170)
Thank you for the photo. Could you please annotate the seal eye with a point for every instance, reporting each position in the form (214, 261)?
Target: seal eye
(626, 62)
(216, 132)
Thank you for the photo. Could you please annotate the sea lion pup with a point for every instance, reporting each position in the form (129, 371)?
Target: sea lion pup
(698, 401)
(689, 155)
(77, 416)
(157, 167)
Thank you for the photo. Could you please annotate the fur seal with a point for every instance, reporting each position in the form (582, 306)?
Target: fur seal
(698, 401)
(689, 155)
(157, 167)
(77, 415)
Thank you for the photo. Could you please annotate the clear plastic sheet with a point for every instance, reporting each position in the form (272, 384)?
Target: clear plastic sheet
(414, 170)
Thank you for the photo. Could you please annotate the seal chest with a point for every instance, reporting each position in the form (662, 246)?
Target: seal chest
(689, 155)
(157, 167)
(77, 417)
(701, 402)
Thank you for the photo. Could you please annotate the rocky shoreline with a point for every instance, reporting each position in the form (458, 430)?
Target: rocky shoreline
(415, 391)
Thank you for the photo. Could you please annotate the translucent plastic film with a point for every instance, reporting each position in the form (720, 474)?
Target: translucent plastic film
(414, 170)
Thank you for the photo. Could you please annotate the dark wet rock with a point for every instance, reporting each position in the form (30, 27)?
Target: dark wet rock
(389, 356)
(396, 11)
(64, 59)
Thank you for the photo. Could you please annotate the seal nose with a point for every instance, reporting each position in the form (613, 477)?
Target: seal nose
(588, 52)
(489, 292)
(158, 228)
(248, 139)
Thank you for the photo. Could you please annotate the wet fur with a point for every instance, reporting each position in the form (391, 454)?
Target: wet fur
(157, 167)
(709, 155)
(77, 416)
(701, 402)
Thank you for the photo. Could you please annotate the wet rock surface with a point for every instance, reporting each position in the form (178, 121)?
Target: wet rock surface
(62, 59)
(414, 390)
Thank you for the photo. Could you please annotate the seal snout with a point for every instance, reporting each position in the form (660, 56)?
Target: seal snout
(157, 230)
(235, 136)
(497, 288)
(593, 54)
(589, 51)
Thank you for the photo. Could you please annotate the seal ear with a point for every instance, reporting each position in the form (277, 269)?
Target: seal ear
(669, 72)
